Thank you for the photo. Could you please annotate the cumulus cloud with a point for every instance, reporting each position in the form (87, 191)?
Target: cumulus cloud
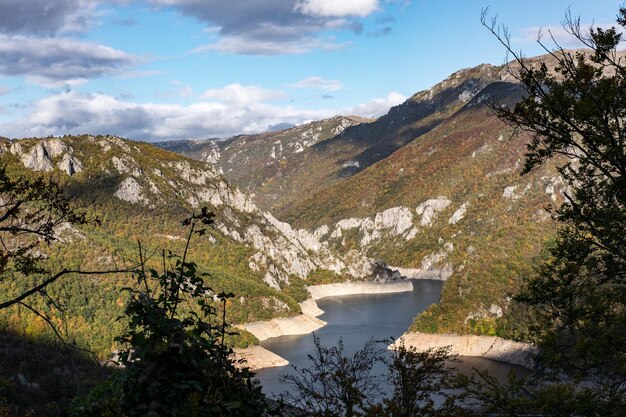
(319, 83)
(271, 27)
(4, 90)
(53, 62)
(77, 113)
(377, 107)
(45, 17)
(334, 8)
(237, 94)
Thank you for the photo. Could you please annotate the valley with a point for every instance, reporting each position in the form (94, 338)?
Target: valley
(432, 188)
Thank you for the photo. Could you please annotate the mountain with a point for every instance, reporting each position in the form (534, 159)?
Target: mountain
(433, 188)
(141, 193)
(252, 160)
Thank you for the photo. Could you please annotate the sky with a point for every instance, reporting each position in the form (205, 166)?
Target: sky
(158, 70)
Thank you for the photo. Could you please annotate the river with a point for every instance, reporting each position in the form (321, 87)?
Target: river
(357, 318)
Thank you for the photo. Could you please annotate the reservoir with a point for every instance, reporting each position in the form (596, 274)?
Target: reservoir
(357, 318)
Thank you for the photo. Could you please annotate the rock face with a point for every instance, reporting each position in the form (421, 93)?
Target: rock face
(130, 190)
(494, 348)
(393, 223)
(70, 165)
(429, 209)
(382, 273)
(459, 214)
(38, 159)
(41, 156)
(280, 252)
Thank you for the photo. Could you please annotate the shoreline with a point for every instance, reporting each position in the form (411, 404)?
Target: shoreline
(489, 347)
(307, 322)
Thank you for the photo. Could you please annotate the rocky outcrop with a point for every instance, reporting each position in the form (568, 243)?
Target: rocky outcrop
(41, 156)
(513, 192)
(395, 221)
(383, 273)
(130, 190)
(38, 159)
(257, 357)
(459, 213)
(70, 165)
(489, 347)
(429, 209)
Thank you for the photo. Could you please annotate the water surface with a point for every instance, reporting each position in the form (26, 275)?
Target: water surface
(355, 319)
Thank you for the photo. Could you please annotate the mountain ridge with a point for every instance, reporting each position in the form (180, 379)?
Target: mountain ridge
(433, 188)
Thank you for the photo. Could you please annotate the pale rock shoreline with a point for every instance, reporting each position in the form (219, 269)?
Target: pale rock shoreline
(258, 357)
(488, 347)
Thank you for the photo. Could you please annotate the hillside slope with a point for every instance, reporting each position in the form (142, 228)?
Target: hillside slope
(277, 183)
(432, 187)
(451, 205)
(141, 193)
(243, 158)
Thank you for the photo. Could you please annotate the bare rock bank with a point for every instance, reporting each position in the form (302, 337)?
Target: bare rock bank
(488, 347)
(258, 357)
(354, 288)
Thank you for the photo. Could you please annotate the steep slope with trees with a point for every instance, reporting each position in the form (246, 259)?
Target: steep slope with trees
(139, 192)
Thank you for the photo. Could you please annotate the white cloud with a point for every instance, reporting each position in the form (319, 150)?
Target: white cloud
(319, 83)
(557, 33)
(242, 44)
(237, 94)
(269, 38)
(272, 27)
(4, 90)
(241, 110)
(337, 8)
(58, 61)
(77, 113)
(378, 106)
(46, 17)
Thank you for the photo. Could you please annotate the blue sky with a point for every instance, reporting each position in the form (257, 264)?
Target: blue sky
(176, 69)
